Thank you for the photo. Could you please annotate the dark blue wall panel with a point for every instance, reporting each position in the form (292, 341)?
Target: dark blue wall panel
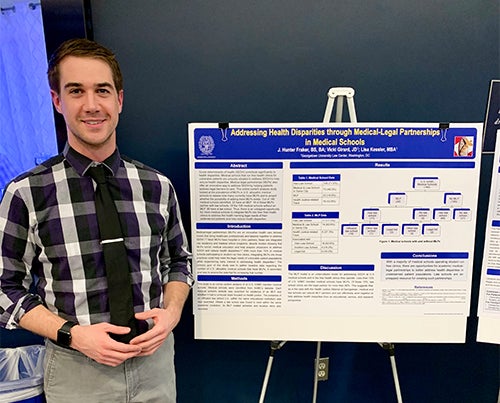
(274, 61)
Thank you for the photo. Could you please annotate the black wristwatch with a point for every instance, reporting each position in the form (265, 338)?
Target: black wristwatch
(64, 334)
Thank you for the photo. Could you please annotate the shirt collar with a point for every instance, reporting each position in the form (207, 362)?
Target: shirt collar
(81, 163)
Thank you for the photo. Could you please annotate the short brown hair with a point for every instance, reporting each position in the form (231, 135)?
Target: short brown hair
(82, 48)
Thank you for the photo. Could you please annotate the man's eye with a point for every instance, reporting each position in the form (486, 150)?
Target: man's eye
(75, 91)
(103, 91)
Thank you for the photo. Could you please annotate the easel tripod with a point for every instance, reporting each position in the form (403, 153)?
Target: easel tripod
(334, 94)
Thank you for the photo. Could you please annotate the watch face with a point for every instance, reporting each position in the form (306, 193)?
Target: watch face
(64, 334)
(64, 337)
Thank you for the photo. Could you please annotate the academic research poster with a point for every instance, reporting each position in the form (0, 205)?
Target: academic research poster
(333, 232)
(489, 292)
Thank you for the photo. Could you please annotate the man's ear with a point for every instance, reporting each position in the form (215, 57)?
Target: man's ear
(56, 100)
(120, 100)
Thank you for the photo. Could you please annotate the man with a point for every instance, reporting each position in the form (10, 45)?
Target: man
(49, 231)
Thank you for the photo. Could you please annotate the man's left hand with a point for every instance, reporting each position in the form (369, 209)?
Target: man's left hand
(164, 322)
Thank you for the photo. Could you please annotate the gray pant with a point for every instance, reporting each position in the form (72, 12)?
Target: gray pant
(72, 377)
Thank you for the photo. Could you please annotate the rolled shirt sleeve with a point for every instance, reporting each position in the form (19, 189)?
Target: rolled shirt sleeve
(175, 256)
(17, 255)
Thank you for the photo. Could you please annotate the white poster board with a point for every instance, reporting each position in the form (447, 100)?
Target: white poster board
(333, 232)
(489, 293)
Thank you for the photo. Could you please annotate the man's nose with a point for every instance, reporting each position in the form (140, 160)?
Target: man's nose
(91, 103)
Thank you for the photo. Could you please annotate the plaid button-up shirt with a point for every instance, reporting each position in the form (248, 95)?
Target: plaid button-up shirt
(49, 233)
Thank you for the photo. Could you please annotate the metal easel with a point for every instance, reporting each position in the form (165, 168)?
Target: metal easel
(337, 94)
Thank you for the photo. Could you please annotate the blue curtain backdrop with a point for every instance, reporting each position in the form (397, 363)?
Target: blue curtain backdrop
(26, 117)
(27, 133)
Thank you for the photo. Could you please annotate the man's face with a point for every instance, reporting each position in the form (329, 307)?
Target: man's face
(90, 104)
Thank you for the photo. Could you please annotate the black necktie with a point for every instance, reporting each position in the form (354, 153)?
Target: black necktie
(115, 256)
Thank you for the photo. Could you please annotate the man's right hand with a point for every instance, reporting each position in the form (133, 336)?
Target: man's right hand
(95, 342)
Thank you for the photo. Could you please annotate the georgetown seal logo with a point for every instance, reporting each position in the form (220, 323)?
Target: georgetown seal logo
(206, 145)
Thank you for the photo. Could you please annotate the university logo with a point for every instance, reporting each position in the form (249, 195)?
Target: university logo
(206, 145)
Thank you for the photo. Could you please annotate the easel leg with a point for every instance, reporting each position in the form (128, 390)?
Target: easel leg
(275, 345)
(392, 356)
(316, 363)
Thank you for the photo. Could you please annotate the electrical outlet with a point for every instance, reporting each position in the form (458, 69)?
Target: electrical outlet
(322, 367)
